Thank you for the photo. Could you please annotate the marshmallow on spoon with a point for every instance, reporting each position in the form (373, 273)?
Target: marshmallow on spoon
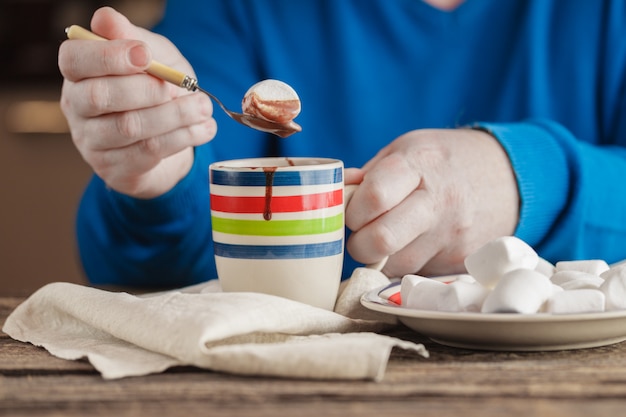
(519, 291)
(498, 257)
(271, 100)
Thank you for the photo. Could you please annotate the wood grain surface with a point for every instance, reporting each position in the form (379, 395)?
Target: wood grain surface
(452, 382)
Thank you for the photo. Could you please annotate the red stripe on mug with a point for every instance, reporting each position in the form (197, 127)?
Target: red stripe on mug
(279, 204)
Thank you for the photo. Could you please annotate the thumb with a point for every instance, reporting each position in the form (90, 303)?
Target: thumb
(111, 24)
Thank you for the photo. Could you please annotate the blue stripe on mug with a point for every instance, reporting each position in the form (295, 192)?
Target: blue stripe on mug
(281, 178)
(314, 250)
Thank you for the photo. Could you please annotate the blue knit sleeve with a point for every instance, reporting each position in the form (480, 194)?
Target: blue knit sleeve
(160, 242)
(572, 193)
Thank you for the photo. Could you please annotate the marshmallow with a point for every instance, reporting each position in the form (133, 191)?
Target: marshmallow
(576, 301)
(519, 291)
(614, 287)
(507, 276)
(407, 284)
(489, 263)
(616, 264)
(466, 278)
(545, 267)
(448, 279)
(591, 266)
(458, 293)
(461, 296)
(425, 295)
(271, 100)
(556, 288)
(572, 280)
(591, 283)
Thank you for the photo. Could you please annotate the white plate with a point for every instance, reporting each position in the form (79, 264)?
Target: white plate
(506, 332)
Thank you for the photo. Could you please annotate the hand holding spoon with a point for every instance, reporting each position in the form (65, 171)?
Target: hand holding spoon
(264, 121)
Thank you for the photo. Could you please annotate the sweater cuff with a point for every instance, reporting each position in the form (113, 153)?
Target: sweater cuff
(183, 200)
(542, 174)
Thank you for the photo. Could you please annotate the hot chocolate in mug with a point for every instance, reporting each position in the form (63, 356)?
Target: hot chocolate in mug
(278, 226)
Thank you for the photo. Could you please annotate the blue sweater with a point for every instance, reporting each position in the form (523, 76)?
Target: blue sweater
(546, 77)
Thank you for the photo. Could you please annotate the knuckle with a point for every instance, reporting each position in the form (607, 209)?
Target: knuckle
(129, 125)
(377, 197)
(211, 130)
(180, 109)
(151, 147)
(79, 140)
(100, 162)
(110, 60)
(65, 102)
(203, 132)
(384, 240)
(68, 62)
(97, 96)
(64, 60)
(402, 264)
(190, 109)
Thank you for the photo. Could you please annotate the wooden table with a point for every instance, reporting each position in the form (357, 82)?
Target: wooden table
(452, 382)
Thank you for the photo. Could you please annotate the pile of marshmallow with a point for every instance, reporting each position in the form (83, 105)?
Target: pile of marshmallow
(507, 276)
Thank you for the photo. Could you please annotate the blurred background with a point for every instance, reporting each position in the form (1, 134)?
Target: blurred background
(41, 173)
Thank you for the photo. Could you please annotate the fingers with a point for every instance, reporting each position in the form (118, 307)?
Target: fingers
(125, 54)
(413, 258)
(164, 175)
(137, 132)
(429, 199)
(144, 135)
(120, 129)
(141, 156)
(394, 230)
(353, 175)
(375, 196)
(97, 96)
(81, 59)
(129, 50)
(110, 24)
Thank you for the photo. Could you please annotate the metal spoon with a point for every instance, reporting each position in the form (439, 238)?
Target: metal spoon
(185, 81)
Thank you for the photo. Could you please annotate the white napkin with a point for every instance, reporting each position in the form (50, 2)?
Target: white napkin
(241, 333)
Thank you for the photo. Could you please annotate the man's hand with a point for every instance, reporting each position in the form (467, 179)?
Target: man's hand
(136, 132)
(429, 199)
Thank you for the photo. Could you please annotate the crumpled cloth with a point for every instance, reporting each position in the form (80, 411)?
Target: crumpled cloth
(240, 333)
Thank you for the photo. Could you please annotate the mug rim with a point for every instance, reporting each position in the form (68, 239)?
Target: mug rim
(278, 162)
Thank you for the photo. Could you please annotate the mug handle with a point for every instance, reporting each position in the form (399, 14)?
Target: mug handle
(348, 192)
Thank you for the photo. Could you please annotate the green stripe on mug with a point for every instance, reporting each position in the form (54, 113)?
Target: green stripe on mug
(277, 227)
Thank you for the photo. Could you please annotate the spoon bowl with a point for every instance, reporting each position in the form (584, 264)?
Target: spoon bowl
(279, 129)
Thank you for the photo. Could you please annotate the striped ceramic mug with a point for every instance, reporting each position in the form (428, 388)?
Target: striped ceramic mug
(278, 226)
